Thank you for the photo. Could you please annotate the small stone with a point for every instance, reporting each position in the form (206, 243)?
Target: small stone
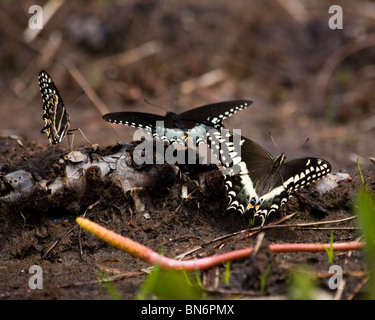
(147, 216)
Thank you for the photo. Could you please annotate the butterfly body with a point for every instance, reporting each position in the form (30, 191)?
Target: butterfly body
(55, 116)
(177, 128)
(264, 183)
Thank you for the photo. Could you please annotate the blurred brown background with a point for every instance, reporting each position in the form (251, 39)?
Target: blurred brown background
(305, 79)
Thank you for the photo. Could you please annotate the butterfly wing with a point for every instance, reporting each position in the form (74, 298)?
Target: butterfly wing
(254, 162)
(293, 175)
(57, 121)
(163, 127)
(191, 124)
(213, 114)
(140, 120)
(263, 183)
(245, 163)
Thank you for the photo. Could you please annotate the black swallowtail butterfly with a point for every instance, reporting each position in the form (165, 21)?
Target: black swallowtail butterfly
(56, 118)
(177, 128)
(257, 181)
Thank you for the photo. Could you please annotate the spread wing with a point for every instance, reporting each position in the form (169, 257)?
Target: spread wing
(214, 114)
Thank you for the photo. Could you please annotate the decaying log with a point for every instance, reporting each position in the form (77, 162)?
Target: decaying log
(49, 180)
(71, 181)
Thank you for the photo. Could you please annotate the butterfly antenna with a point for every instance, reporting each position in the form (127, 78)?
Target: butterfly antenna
(274, 142)
(154, 105)
(298, 146)
(71, 130)
(76, 100)
(292, 148)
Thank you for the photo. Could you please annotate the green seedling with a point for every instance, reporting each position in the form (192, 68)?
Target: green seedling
(329, 251)
(24, 219)
(364, 205)
(198, 281)
(193, 275)
(263, 279)
(226, 275)
(170, 285)
(252, 222)
(108, 285)
(360, 173)
(365, 210)
(302, 286)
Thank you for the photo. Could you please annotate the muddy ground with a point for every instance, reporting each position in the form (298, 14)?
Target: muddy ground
(305, 79)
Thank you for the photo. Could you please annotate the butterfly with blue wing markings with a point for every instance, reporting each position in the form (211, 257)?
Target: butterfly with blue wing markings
(261, 183)
(57, 121)
(177, 128)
